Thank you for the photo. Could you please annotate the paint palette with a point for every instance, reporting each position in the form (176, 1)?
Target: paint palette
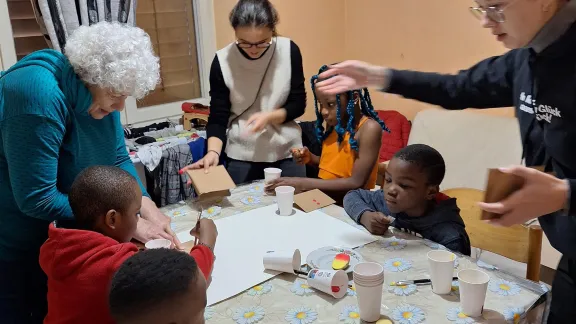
(324, 258)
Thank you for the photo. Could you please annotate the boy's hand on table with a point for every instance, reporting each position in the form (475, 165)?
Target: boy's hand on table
(375, 222)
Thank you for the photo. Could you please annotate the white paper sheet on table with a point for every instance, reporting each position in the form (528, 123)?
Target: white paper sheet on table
(244, 238)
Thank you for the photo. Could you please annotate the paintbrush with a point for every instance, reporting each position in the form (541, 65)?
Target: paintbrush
(414, 282)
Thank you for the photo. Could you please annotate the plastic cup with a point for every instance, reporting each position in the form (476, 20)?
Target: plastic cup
(332, 282)
(473, 284)
(271, 174)
(441, 270)
(284, 261)
(158, 244)
(369, 282)
(285, 198)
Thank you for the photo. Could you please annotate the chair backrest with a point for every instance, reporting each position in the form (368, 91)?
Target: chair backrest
(397, 138)
(518, 242)
(469, 142)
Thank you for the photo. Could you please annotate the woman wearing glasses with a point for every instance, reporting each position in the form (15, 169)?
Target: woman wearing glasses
(538, 77)
(256, 90)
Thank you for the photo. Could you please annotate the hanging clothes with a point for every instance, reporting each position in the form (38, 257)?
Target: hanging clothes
(169, 182)
(59, 18)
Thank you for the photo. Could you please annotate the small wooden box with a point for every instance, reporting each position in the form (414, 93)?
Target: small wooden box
(188, 117)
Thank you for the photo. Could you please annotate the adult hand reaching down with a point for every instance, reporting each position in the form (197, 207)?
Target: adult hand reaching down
(212, 158)
(153, 224)
(352, 75)
(541, 194)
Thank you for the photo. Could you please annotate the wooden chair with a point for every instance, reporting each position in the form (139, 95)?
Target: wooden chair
(520, 243)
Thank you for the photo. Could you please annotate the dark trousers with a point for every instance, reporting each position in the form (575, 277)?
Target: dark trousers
(563, 307)
(245, 171)
(23, 288)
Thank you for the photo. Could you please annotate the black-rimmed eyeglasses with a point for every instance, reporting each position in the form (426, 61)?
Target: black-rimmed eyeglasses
(250, 45)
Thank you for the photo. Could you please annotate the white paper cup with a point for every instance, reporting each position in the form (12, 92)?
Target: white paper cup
(271, 174)
(368, 272)
(332, 282)
(285, 198)
(158, 244)
(369, 301)
(473, 284)
(369, 281)
(284, 261)
(441, 270)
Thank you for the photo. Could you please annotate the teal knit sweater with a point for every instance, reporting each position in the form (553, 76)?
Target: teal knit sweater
(47, 137)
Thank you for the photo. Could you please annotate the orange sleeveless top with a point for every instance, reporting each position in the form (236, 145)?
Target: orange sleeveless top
(337, 161)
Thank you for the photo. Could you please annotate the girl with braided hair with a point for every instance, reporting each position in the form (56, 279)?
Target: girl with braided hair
(350, 132)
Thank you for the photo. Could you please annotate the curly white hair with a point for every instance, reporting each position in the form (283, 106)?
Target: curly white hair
(114, 56)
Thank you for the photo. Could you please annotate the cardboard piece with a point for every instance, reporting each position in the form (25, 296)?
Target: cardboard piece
(499, 186)
(216, 183)
(311, 200)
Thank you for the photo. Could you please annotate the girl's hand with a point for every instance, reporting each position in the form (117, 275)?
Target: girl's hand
(301, 156)
(210, 159)
(297, 183)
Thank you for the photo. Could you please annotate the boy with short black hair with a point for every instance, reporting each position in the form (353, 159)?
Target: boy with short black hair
(157, 286)
(411, 200)
(81, 258)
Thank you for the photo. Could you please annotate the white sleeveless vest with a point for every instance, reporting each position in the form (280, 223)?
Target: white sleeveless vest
(271, 73)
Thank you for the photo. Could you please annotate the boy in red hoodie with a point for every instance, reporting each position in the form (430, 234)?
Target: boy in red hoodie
(81, 261)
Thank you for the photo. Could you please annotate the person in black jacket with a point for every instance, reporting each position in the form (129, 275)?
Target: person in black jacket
(257, 90)
(538, 78)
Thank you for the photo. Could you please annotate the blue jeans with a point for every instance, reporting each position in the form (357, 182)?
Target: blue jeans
(245, 171)
(23, 289)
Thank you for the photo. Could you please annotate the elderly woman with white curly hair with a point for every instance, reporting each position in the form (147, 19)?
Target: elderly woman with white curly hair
(58, 115)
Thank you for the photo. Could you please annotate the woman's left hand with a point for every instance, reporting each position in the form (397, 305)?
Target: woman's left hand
(153, 224)
(257, 122)
(297, 183)
(541, 194)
